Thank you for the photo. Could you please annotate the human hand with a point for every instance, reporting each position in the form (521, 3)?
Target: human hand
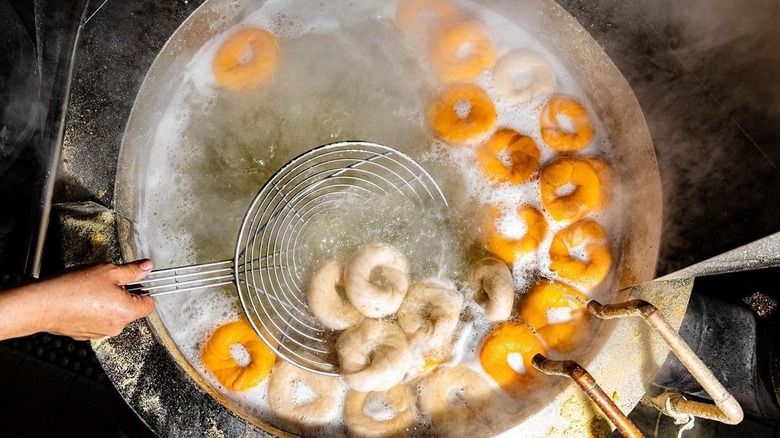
(85, 303)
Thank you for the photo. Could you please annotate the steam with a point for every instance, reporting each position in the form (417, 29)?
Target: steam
(705, 73)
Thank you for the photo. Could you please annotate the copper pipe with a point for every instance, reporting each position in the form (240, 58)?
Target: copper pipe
(726, 409)
(588, 384)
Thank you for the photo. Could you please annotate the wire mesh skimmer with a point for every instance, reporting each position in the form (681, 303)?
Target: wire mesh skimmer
(268, 247)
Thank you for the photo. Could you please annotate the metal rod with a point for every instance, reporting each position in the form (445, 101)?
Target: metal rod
(588, 384)
(187, 289)
(53, 138)
(726, 409)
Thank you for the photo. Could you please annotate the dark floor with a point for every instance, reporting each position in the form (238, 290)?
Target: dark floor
(54, 386)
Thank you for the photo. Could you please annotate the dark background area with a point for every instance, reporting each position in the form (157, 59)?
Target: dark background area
(705, 73)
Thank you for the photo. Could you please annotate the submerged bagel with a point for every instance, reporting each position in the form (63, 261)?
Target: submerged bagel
(247, 58)
(398, 399)
(494, 288)
(376, 279)
(457, 400)
(410, 14)
(287, 395)
(373, 355)
(326, 300)
(220, 362)
(461, 51)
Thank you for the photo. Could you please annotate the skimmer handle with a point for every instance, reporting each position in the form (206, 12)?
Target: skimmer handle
(185, 279)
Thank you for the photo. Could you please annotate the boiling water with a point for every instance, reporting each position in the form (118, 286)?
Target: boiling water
(344, 73)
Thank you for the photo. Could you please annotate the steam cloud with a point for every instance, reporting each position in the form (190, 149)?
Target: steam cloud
(705, 73)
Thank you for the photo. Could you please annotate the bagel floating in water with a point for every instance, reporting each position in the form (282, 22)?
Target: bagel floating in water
(461, 51)
(373, 355)
(518, 239)
(220, 361)
(462, 113)
(557, 313)
(494, 288)
(247, 58)
(607, 178)
(302, 397)
(580, 254)
(376, 279)
(380, 414)
(570, 188)
(327, 300)
(565, 125)
(430, 314)
(506, 356)
(508, 157)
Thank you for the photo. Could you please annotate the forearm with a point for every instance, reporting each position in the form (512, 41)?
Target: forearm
(84, 303)
(22, 311)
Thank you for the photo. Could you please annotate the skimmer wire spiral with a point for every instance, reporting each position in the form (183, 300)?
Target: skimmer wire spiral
(268, 249)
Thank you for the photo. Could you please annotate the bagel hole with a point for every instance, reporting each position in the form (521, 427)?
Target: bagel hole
(579, 252)
(465, 50)
(378, 407)
(566, 189)
(522, 79)
(341, 292)
(520, 160)
(462, 108)
(515, 361)
(246, 55)
(481, 296)
(512, 226)
(458, 398)
(377, 277)
(565, 124)
(240, 354)
(505, 157)
(302, 393)
(558, 315)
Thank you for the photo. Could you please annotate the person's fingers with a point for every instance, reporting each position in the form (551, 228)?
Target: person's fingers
(141, 306)
(131, 272)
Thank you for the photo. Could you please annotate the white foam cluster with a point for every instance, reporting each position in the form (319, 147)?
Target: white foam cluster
(302, 393)
(378, 407)
(558, 315)
(515, 361)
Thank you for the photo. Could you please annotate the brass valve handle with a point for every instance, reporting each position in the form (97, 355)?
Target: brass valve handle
(725, 410)
(588, 384)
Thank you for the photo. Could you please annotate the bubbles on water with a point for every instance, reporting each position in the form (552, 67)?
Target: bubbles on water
(378, 407)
